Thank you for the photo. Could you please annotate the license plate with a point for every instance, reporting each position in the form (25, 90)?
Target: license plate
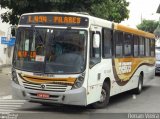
(43, 95)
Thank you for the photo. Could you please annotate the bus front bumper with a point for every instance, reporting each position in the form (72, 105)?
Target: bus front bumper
(71, 97)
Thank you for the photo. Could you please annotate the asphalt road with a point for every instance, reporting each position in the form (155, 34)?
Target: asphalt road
(120, 106)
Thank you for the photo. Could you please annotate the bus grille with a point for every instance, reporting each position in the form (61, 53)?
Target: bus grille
(46, 87)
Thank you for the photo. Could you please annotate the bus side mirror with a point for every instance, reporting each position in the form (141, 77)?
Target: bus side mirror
(11, 33)
(96, 41)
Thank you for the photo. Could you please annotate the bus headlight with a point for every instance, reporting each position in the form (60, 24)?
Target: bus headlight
(14, 76)
(78, 83)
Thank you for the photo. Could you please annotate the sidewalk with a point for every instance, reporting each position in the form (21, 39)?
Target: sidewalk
(5, 84)
(5, 69)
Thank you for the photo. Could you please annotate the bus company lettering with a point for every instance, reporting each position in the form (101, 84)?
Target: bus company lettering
(125, 67)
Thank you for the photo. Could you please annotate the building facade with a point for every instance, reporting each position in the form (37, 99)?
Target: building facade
(5, 51)
(2, 33)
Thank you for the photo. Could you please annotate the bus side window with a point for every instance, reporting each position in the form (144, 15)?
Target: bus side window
(147, 47)
(106, 43)
(118, 38)
(127, 44)
(152, 47)
(141, 46)
(136, 46)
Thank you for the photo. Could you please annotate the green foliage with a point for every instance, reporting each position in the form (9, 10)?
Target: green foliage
(148, 25)
(113, 10)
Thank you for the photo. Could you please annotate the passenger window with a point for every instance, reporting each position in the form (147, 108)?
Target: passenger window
(119, 44)
(127, 44)
(141, 46)
(147, 47)
(106, 45)
(152, 47)
(136, 46)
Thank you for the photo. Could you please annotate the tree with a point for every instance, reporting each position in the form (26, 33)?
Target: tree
(113, 10)
(148, 25)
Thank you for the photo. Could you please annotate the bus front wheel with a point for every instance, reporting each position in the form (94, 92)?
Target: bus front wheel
(104, 99)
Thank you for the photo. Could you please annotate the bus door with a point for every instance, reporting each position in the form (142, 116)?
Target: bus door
(94, 79)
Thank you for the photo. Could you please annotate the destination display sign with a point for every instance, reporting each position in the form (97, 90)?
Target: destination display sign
(52, 19)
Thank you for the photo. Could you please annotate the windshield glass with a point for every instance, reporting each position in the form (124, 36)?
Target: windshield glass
(50, 50)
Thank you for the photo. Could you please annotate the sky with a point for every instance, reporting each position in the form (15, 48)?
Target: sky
(139, 9)
(142, 9)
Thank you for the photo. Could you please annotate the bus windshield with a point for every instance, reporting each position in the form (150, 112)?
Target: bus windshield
(47, 50)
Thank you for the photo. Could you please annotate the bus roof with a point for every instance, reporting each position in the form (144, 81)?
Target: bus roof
(99, 22)
(133, 31)
(92, 20)
(68, 13)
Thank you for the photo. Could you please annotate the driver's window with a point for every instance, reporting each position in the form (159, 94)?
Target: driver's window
(95, 48)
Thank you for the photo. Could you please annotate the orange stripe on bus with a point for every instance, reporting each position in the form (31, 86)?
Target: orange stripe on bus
(40, 79)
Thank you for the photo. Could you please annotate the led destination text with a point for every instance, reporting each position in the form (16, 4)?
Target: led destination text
(62, 20)
(55, 19)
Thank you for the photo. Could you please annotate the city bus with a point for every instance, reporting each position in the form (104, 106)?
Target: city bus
(78, 59)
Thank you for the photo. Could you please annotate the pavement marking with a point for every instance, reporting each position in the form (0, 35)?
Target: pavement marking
(5, 110)
(11, 101)
(14, 106)
(6, 97)
(10, 105)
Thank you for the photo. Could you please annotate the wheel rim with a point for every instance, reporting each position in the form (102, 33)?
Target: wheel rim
(103, 96)
(140, 86)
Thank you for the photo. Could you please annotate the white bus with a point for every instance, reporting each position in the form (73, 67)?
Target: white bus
(78, 59)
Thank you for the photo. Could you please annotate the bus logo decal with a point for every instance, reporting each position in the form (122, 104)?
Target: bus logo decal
(43, 86)
(125, 67)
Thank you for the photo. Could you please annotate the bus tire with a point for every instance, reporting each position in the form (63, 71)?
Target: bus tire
(104, 99)
(138, 90)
